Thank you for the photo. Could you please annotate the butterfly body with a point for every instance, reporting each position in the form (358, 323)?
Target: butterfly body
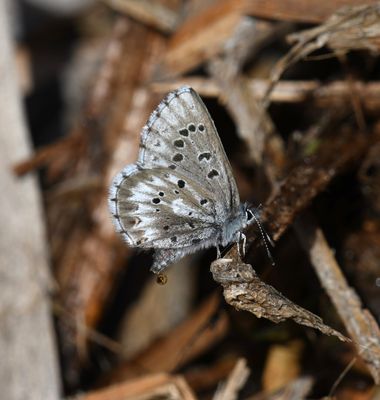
(180, 196)
(234, 225)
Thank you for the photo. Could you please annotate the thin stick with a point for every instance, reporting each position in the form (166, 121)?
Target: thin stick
(358, 321)
(341, 376)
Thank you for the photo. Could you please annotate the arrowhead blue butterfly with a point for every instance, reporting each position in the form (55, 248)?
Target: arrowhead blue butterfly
(180, 196)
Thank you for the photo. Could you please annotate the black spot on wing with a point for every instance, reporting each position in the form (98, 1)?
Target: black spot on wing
(178, 157)
(212, 173)
(179, 143)
(204, 156)
(191, 128)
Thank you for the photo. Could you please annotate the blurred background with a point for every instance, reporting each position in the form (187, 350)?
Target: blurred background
(293, 88)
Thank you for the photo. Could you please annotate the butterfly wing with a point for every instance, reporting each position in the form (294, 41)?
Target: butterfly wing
(181, 189)
(181, 135)
(159, 208)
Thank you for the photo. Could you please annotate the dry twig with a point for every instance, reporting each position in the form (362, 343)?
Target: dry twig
(323, 95)
(238, 377)
(309, 11)
(358, 321)
(149, 12)
(350, 28)
(157, 386)
(244, 290)
(254, 125)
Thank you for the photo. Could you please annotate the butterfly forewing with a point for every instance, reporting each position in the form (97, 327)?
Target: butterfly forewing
(181, 135)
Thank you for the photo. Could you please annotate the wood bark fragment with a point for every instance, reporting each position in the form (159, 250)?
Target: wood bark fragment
(202, 35)
(321, 94)
(254, 126)
(47, 154)
(229, 390)
(245, 109)
(310, 11)
(153, 13)
(29, 363)
(148, 387)
(253, 123)
(185, 342)
(244, 290)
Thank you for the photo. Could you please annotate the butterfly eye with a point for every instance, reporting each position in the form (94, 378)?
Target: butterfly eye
(249, 215)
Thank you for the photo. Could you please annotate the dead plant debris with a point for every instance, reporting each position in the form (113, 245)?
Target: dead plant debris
(297, 110)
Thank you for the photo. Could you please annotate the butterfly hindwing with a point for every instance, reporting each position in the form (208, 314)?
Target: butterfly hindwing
(157, 208)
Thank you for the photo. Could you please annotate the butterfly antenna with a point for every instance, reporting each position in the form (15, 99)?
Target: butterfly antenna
(254, 211)
(264, 235)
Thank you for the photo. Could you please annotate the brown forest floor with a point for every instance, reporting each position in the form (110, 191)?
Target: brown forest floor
(294, 90)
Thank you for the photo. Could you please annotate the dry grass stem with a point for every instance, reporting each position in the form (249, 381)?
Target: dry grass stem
(350, 28)
(229, 390)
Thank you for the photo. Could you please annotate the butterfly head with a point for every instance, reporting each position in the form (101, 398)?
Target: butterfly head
(249, 215)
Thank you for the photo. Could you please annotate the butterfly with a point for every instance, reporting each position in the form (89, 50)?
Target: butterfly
(180, 196)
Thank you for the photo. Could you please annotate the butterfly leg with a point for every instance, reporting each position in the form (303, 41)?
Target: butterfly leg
(243, 238)
(218, 253)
